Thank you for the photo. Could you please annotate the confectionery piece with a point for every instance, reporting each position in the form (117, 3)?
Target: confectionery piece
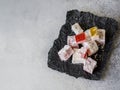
(92, 47)
(88, 36)
(76, 28)
(89, 65)
(76, 39)
(72, 42)
(84, 52)
(99, 37)
(79, 55)
(80, 38)
(95, 34)
(101, 34)
(65, 53)
(93, 31)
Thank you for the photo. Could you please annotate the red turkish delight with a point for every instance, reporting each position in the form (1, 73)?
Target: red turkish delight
(80, 38)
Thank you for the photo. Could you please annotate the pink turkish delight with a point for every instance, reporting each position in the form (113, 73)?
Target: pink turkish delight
(72, 42)
(65, 53)
(89, 65)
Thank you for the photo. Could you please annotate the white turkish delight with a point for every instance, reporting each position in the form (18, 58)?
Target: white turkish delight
(88, 32)
(95, 38)
(65, 53)
(84, 52)
(76, 28)
(89, 65)
(101, 34)
(79, 56)
(72, 42)
(88, 36)
(91, 46)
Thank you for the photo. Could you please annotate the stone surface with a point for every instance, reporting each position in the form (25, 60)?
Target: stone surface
(27, 31)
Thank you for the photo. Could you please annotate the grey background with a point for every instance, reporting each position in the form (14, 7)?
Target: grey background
(27, 31)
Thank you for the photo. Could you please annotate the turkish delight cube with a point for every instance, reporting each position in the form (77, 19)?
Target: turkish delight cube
(101, 34)
(72, 42)
(84, 52)
(76, 28)
(65, 53)
(80, 38)
(91, 46)
(79, 56)
(89, 65)
(93, 31)
(88, 36)
(97, 35)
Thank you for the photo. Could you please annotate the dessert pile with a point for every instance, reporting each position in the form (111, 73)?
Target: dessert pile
(90, 41)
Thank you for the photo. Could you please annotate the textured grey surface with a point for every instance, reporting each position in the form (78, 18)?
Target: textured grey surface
(27, 31)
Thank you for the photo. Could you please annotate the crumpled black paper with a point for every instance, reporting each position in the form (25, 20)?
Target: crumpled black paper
(86, 21)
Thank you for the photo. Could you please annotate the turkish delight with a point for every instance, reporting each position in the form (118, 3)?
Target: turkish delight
(89, 65)
(96, 34)
(92, 47)
(76, 28)
(80, 38)
(72, 42)
(87, 34)
(76, 39)
(92, 31)
(65, 53)
(79, 55)
(101, 34)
